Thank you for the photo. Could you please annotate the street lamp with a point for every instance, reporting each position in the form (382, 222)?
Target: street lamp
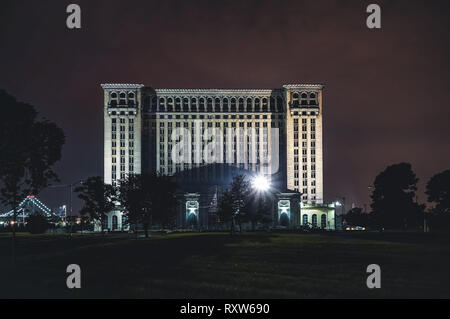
(260, 183)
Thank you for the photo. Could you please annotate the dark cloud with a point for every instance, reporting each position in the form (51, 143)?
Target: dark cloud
(386, 96)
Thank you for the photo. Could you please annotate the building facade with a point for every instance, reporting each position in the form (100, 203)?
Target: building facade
(273, 132)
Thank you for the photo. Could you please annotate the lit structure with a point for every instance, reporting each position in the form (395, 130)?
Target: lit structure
(28, 206)
(142, 129)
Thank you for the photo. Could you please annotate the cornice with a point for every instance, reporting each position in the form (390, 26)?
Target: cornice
(122, 86)
(303, 86)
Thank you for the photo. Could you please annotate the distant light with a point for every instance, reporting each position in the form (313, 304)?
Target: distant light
(260, 183)
(337, 204)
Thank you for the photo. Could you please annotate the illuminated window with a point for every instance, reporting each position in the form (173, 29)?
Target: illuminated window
(305, 220)
(323, 221)
(314, 220)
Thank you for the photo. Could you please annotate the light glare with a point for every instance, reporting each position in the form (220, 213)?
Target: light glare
(260, 183)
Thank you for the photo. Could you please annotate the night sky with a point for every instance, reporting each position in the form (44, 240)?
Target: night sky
(386, 96)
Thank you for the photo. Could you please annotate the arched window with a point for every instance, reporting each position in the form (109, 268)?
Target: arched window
(314, 220)
(248, 106)
(312, 99)
(241, 105)
(170, 105)
(216, 105)
(104, 222)
(210, 105)
(264, 105)
(177, 104)
(225, 107)
(194, 106)
(202, 105)
(304, 99)
(257, 105)
(113, 99)
(131, 98)
(323, 221)
(295, 100)
(305, 220)
(114, 222)
(185, 105)
(123, 99)
(162, 104)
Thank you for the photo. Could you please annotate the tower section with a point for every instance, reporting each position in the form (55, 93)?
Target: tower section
(304, 171)
(122, 130)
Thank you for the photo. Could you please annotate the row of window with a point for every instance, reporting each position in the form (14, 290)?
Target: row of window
(170, 169)
(210, 104)
(304, 99)
(122, 98)
(323, 220)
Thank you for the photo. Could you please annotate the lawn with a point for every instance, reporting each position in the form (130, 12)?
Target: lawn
(216, 265)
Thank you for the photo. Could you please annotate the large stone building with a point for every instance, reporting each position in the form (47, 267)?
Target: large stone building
(272, 132)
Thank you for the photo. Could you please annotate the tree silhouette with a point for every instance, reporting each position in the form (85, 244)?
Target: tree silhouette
(357, 217)
(226, 209)
(393, 199)
(258, 209)
(29, 148)
(438, 192)
(99, 198)
(234, 202)
(148, 199)
(37, 224)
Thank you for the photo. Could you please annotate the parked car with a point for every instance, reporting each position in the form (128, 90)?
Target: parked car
(350, 228)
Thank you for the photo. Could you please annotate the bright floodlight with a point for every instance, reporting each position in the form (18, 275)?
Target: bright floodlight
(260, 183)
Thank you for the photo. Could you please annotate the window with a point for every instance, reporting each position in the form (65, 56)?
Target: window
(305, 220)
(314, 220)
(131, 98)
(304, 99)
(249, 105)
(185, 105)
(114, 222)
(312, 99)
(225, 106)
(295, 100)
(323, 221)
(113, 99)
(122, 100)
(202, 105)
(210, 105)
(194, 105)
(264, 105)
(241, 105)
(170, 105)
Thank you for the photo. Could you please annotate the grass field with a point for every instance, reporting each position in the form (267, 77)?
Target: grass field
(215, 265)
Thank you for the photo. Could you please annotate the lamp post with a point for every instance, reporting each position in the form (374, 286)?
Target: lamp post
(70, 186)
(261, 184)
